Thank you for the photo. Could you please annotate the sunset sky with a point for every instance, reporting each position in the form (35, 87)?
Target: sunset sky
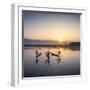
(51, 26)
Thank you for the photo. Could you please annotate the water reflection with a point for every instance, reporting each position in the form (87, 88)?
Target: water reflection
(58, 60)
(47, 61)
(51, 61)
(36, 61)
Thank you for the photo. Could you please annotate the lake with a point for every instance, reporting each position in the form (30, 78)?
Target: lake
(67, 63)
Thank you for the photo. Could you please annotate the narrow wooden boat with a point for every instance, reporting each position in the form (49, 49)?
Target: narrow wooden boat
(57, 55)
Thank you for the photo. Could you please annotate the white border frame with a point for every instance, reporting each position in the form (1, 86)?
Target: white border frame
(16, 60)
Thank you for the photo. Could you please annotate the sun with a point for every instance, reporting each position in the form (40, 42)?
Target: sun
(60, 40)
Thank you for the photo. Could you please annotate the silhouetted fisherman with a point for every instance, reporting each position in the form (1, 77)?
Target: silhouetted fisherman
(48, 55)
(38, 54)
(59, 52)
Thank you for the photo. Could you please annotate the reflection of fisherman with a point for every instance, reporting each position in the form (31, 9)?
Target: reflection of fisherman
(36, 61)
(58, 60)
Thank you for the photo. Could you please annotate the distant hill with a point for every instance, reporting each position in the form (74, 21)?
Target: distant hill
(75, 44)
(34, 42)
(39, 42)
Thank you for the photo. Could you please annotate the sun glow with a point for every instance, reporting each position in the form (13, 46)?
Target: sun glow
(60, 40)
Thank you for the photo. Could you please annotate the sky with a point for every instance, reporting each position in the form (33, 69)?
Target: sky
(51, 25)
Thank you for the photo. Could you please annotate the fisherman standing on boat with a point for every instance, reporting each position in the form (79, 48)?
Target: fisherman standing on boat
(37, 55)
(48, 55)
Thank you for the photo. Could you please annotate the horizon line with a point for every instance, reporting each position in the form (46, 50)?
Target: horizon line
(50, 40)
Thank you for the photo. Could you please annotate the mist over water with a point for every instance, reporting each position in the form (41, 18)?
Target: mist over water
(67, 63)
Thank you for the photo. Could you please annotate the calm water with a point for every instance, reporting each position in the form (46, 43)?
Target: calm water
(68, 63)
